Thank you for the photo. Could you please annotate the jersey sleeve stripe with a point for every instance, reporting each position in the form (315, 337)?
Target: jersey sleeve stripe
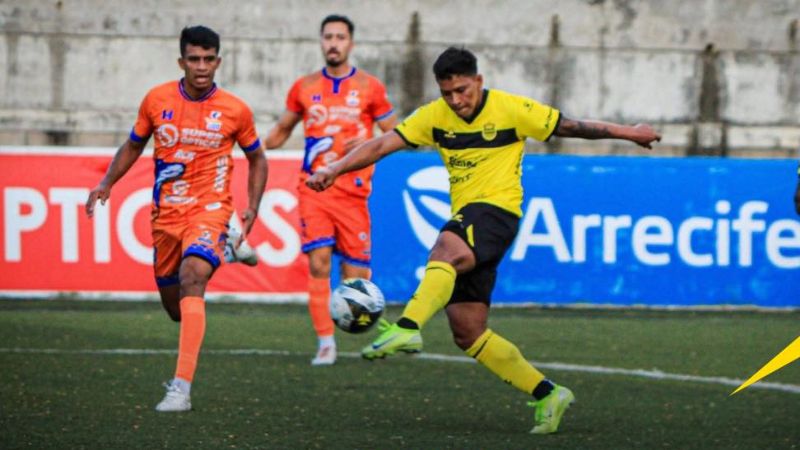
(411, 144)
(136, 138)
(252, 146)
(553, 131)
(384, 115)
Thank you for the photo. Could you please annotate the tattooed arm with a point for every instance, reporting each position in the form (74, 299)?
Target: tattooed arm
(641, 134)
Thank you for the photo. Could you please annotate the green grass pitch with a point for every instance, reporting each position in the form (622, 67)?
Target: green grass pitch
(75, 398)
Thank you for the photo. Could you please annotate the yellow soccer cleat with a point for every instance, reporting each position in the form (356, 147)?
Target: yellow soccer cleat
(392, 339)
(548, 411)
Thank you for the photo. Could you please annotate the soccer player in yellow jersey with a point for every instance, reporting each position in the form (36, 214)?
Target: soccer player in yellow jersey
(480, 134)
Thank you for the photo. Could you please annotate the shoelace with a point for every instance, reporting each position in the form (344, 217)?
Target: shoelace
(171, 388)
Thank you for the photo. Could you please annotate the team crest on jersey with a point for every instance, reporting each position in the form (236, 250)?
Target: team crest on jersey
(352, 98)
(212, 121)
(167, 114)
(489, 132)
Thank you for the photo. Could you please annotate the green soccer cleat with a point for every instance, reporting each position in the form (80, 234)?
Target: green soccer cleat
(391, 340)
(548, 411)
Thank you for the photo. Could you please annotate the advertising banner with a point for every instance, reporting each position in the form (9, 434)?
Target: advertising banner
(50, 247)
(595, 230)
(612, 230)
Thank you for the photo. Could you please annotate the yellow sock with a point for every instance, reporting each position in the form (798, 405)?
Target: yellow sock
(505, 360)
(433, 292)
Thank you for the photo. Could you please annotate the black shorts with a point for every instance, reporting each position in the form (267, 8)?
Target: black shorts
(489, 231)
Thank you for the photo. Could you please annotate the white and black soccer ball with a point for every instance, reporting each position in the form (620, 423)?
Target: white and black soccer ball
(356, 305)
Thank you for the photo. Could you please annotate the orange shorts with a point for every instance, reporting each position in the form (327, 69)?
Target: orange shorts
(202, 235)
(338, 221)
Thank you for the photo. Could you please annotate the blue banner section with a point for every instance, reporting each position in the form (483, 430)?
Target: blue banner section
(611, 230)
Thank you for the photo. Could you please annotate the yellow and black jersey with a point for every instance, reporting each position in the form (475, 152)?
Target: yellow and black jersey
(483, 155)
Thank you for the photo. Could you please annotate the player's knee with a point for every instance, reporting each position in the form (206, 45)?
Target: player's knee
(319, 267)
(463, 342)
(192, 283)
(465, 338)
(460, 260)
(174, 315)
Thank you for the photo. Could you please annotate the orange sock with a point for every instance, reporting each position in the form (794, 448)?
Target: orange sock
(319, 297)
(193, 327)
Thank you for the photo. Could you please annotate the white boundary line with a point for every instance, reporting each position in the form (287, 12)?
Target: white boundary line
(558, 366)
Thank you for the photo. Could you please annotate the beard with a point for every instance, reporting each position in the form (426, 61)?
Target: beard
(334, 59)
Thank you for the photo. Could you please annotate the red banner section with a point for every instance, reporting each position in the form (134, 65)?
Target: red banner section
(49, 246)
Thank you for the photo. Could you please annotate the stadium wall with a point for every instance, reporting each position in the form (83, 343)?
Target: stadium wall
(619, 231)
(718, 77)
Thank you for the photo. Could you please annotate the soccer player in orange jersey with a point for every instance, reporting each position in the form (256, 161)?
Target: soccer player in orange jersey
(195, 125)
(338, 106)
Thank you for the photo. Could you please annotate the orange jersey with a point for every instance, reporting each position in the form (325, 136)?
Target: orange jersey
(193, 147)
(335, 110)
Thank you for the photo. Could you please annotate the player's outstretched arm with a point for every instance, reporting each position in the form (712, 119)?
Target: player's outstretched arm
(127, 154)
(362, 156)
(640, 134)
(257, 173)
(386, 125)
(278, 135)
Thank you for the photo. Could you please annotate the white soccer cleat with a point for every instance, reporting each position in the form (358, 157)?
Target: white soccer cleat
(244, 254)
(175, 400)
(326, 356)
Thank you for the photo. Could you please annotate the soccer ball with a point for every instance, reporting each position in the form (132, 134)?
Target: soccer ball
(356, 305)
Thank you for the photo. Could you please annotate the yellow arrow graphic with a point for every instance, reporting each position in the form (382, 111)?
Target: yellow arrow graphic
(789, 354)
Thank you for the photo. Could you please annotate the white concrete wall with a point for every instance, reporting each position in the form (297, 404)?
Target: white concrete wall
(76, 70)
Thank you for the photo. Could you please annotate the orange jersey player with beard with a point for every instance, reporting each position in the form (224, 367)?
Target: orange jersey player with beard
(195, 125)
(339, 106)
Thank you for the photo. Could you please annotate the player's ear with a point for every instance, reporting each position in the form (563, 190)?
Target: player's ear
(182, 63)
(479, 80)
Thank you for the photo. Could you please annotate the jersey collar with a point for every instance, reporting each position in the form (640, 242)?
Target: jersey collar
(478, 110)
(337, 81)
(205, 96)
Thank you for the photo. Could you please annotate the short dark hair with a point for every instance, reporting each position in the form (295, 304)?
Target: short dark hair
(338, 18)
(453, 62)
(201, 36)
